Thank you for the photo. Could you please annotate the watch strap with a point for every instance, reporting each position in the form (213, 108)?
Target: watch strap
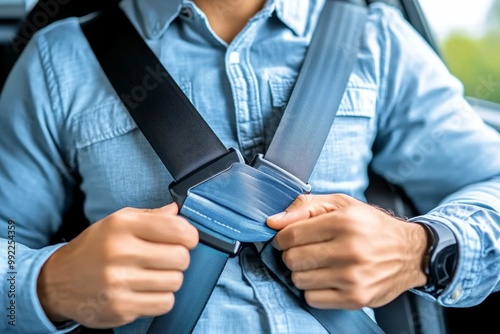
(442, 258)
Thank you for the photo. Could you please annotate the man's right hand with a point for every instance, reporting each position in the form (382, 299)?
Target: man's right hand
(126, 266)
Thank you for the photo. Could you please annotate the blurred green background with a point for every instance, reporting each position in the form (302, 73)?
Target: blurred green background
(475, 60)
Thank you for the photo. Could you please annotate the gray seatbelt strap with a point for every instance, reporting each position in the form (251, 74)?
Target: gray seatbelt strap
(307, 122)
(320, 86)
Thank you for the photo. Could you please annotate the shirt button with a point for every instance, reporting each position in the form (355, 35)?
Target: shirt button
(456, 294)
(234, 58)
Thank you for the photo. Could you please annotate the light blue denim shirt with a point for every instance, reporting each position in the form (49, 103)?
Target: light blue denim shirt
(59, 116)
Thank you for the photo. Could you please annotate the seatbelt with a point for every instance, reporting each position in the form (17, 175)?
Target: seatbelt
(119, 48)
(339, 30)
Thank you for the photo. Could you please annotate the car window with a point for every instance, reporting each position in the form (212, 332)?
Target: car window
(468, 36)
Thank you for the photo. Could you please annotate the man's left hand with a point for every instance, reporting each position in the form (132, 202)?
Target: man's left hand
(346, 254)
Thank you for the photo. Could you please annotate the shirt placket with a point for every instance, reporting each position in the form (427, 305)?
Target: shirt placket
(245, 91)
(250, 132)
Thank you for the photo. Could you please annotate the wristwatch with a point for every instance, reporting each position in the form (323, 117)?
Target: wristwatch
(442, 258)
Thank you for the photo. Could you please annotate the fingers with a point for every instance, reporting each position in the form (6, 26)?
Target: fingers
(149, 304)
(161, 227)
(161, 256)
(313, 279)
(298, 210)
(311, 231)
(324, 278)
(169, 209)
(327, 299)
(336, 299)
(315, 256)
(146, 280)
(307, 206)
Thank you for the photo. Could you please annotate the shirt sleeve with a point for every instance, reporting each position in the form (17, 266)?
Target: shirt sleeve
(432, 144)
(35, 183)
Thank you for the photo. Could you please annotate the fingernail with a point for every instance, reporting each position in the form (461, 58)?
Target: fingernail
(274, 243)
(278, 216)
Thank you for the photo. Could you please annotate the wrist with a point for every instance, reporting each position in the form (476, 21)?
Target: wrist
(418, 242)
(47, 289)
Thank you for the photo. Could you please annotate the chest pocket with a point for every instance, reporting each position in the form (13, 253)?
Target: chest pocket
(347, 150)
(117, 165)
(107, 121)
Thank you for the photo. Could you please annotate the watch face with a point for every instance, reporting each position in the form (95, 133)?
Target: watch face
(443, 257)
(444, 266)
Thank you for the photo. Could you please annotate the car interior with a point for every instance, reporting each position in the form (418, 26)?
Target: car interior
(409, 313)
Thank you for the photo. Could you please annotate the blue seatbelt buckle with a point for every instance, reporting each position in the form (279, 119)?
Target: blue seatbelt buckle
(180, 190)
(229, 201)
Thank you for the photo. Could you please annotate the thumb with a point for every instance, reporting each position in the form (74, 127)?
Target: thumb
(302, 208)
(169, 209)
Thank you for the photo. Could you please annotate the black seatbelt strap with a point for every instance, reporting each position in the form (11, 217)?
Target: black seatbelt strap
(174, 128)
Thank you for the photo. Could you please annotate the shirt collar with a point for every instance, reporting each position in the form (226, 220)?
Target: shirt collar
(155, 16)
(294, 14)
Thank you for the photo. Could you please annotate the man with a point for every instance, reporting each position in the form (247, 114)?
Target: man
(237, 61)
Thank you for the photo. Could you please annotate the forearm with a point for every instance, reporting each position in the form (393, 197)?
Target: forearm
(21, 309)
(473, 214)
